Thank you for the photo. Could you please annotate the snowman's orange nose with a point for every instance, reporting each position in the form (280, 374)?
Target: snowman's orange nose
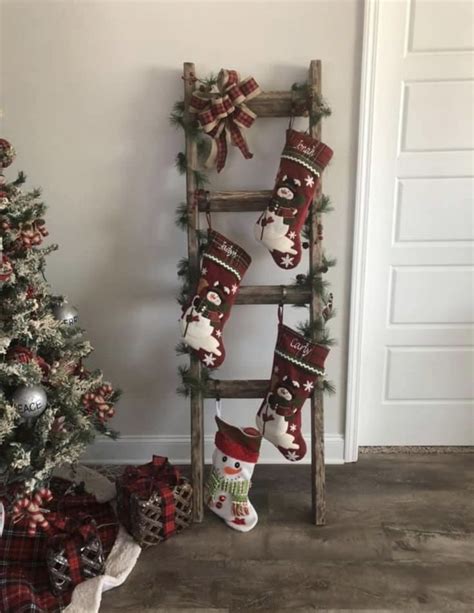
(231, 471)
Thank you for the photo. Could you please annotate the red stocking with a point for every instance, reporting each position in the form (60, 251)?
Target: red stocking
(297, 363)
(223, 265)
(279, 226)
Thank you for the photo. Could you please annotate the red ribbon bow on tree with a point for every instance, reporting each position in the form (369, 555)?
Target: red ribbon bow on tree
(23, 355)
(223, 114)
(158, 476)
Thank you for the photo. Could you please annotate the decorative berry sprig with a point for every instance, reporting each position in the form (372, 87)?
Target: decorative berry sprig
(30, 509)
(99, 402)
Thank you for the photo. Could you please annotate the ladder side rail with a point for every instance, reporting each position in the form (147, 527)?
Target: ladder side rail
(196, 401)
(318, 469)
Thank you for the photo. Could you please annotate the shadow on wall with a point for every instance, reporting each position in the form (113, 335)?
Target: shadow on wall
(135, 277)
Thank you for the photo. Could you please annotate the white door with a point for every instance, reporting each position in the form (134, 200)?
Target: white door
(411, 362)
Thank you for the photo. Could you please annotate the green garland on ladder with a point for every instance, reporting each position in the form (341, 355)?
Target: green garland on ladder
(317, 330)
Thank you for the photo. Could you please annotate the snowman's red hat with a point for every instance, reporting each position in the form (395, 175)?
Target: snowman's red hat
(240, 443)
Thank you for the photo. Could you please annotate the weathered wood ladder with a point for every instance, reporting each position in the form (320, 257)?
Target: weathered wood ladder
(267, 104)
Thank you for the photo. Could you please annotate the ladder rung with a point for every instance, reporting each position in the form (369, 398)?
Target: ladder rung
(279, 104)
(237, 388)
(272, 294)
(234, 202)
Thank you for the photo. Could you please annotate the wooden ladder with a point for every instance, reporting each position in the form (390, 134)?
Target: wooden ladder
(267, 104)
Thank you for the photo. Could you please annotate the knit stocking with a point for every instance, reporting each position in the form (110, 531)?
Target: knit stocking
(297, 364)
(302, 161)
(223, 265)
(233, 462)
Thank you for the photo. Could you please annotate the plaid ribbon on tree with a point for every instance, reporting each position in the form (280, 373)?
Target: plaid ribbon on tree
(24, 579)
(223, 114)
(158, 476)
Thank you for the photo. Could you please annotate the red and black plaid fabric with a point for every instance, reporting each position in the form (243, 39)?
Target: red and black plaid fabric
(156, 477)
(24, 580)
(73, 535)
(223, 114)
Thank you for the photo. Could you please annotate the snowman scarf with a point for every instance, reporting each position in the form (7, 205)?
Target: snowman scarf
(238, 491)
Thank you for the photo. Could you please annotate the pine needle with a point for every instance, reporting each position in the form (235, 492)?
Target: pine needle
(182, 217)
(181, 163)
(21, 178)
(182, 348)
(191, 384)
(325, 386)
(323, 205)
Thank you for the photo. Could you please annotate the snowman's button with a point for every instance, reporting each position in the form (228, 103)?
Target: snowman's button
(219, 505)
(222, 498)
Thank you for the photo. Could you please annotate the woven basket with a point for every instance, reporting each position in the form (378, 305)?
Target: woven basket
(145, 521)
(90, 556)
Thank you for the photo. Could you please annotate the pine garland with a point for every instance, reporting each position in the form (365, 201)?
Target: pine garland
(317, 330)
(304, 90)
(191, 384)
(189, 277)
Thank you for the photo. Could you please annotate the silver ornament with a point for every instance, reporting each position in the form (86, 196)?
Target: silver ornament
(66, 313)
(30, 401)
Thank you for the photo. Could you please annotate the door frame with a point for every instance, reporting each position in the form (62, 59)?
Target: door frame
(364, 164)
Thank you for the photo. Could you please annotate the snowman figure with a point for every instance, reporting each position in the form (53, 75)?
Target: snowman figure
(273, 226)
(233, 462)
(273, 416)
(201, 319)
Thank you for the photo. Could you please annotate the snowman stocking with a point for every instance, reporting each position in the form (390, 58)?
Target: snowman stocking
(302, 161)
(233, 461)
(297, 363)
(223, 265)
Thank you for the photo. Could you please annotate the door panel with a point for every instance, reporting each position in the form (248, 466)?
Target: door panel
(417, 360)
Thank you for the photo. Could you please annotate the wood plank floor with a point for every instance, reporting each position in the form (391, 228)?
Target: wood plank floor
(399, 537)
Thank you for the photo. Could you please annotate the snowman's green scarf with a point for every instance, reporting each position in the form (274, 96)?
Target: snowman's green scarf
(238, 490)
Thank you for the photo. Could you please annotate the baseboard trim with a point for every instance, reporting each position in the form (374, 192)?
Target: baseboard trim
(416, 449)
(131, 449)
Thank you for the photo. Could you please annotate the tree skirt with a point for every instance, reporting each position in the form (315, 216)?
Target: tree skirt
(121, 560)
(24, 582)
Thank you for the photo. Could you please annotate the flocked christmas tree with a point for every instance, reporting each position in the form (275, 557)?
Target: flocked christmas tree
(51, 407)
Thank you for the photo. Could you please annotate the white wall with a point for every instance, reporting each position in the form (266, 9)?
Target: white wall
(87, 88)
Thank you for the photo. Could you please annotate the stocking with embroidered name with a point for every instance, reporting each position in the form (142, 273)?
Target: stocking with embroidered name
(279, 227)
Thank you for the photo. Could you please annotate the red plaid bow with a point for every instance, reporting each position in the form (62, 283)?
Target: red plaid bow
(23, 355)
(223, 114)
(158, 476)
(73, 535)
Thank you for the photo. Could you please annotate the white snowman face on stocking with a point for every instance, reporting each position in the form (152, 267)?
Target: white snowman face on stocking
(286, 193)
(230, 468)
(214, 298)
(284, 393)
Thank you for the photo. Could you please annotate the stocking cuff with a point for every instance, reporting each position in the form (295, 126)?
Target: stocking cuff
(305, 150)
(227, 254)
(300, 352)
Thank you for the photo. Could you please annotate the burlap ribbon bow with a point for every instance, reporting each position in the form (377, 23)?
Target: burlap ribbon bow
(223, 115)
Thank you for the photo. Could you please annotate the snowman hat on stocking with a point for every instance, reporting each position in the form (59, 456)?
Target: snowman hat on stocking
(243, 444)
